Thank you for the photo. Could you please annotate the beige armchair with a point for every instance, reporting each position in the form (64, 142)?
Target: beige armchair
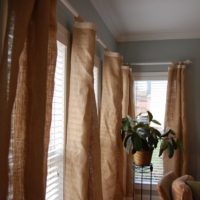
(164, 186)
(171, 187)
(180, 190)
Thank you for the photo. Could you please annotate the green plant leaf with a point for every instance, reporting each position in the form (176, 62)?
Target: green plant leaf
(166, 134)
(150, 116)
(170, 150)
(126, 140)
(163, 147)
(155, 132)
(137, 142)
(155, 122)
(174, 144)
(125, 124)
(143, 132)
(128, 143)
(140, 125)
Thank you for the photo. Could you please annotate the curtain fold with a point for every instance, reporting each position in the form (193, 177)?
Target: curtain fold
(26, 86)
(3, 21)
(175, 118)
(127, 109)
(82, 165)
(110, 123)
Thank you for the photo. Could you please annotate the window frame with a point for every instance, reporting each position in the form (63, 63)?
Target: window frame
(150, 76)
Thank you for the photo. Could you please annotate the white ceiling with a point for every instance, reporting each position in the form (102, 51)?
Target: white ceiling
(132, 20)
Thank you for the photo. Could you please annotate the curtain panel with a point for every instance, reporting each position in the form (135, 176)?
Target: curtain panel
(26, 87)
(110, 122)
(175, 118)
(82, 165)
(3, 21)
(127, 109)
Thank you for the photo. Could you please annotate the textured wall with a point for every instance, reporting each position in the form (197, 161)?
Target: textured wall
(173, 50)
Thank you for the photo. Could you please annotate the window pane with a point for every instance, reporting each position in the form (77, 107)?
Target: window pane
(54, 189)
(96, 85)
(151, 95)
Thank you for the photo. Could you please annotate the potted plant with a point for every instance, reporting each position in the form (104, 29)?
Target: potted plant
(141, 138)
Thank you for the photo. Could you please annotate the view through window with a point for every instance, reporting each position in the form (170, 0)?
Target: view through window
(54, 190)
(150, 95)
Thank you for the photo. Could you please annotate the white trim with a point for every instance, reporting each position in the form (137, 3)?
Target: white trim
(101, 43)
(150, 75)
(157, 36)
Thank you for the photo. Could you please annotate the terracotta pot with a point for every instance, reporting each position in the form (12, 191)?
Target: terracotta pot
(142, 158)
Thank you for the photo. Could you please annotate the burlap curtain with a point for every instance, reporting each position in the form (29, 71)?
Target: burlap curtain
(82, 167)
(110, 123)
(127, 109)
(3, 21)
(26, 88)
(175, 118)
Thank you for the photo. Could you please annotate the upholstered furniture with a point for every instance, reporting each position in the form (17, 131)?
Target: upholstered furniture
(171, 187)
(164, 186)
(195, 188)
(180, 190)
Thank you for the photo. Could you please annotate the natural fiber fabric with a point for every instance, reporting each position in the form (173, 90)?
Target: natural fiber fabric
(127, 109)
(82, 167)
(26, 88)
(175, 118)
(3, 22)
(110, 122)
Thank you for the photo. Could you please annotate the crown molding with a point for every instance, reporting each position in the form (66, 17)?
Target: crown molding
(157, 36)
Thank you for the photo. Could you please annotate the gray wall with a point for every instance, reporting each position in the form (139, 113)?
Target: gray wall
(88, 12)
(152, 51)
(174, 50)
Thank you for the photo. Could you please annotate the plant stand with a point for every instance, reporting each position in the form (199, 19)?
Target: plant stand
(144, 169)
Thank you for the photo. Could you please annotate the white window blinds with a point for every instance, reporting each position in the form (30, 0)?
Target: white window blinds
(54, 190)
(150, 94)
(95, 74)
(96, 84)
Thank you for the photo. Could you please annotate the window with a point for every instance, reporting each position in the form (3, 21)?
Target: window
(54, 190)
(150, 94)
(96, 71)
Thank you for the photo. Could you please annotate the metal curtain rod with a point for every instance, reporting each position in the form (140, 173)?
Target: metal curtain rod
(187, 62)
(76, 14)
